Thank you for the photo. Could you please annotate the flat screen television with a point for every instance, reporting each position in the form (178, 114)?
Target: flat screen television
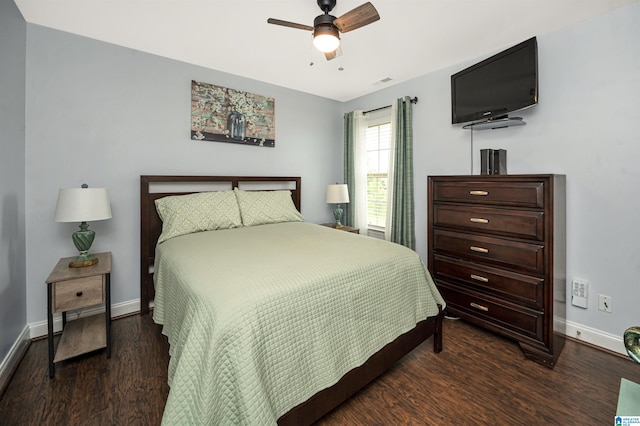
(491, 89)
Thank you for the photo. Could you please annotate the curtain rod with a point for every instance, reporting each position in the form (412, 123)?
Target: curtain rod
(413, 100)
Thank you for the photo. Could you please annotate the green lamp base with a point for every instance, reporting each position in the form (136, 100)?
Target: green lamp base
(337, 215)
(83, 239)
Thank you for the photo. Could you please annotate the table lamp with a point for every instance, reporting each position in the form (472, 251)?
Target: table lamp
(337, 194)
(83, 205)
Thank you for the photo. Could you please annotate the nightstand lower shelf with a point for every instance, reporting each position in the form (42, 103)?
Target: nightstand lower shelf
(82, 336)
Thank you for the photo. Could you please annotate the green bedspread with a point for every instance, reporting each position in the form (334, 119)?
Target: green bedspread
(261, 318)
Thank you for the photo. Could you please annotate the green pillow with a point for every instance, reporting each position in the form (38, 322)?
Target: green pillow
(203, 211)
(262, 207)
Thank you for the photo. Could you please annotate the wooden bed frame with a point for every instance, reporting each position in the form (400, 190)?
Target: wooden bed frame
(327, 399)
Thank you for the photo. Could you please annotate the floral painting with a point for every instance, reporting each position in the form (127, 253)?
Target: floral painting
(228, 115)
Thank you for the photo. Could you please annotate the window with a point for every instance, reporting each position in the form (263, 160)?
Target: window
(378, 142)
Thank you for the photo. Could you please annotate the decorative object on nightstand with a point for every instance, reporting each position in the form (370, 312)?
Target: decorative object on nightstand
(337, 194)
(78, 288)
(83, 205)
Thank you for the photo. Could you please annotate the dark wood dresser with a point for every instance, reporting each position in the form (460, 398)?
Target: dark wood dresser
(497, 251)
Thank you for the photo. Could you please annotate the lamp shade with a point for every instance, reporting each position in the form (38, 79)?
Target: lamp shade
(337, 194)
(82, 205)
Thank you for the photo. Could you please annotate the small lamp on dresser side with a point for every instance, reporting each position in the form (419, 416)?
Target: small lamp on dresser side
(337, 194)
(83, 205)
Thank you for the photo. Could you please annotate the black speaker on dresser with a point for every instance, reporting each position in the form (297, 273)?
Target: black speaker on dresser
(493, 161)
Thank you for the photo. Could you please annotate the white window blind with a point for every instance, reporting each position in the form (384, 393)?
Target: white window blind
(378, 142)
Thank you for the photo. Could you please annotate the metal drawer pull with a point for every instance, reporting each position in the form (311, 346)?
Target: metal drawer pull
(478, 193)
(482, 308)
(479, 278)
(479, 220)
(79, 294)
(479, 249)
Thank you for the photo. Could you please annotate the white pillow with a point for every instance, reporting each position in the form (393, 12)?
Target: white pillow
(262, 207)
(203, 211)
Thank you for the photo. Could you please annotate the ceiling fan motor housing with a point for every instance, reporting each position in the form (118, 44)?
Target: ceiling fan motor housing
(324, 20)
(323, 25)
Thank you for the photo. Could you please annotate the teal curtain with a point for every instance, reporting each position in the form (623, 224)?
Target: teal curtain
(402, 206)
(349, 167)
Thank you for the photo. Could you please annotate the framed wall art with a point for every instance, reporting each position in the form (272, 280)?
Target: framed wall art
(221, 114)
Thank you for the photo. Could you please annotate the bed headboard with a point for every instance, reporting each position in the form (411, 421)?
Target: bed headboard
(154, 187)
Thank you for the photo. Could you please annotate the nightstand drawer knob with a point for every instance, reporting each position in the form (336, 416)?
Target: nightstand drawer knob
(79, 294)
(478, 193)
(479, 249)
(479, 278)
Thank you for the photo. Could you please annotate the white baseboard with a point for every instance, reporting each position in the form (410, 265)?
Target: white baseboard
(13, 357)
(39, 329)
(596, 337)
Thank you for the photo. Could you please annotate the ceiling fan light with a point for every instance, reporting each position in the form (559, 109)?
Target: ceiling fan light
(326, 38)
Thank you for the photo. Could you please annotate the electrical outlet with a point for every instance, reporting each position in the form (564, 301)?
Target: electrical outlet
(580, 293)
(605, 303)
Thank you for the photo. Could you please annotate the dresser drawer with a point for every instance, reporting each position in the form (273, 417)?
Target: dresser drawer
(517, 223)
(77, 293)
(518, 288)
(520, 320)
(528, 257)
(520, 194)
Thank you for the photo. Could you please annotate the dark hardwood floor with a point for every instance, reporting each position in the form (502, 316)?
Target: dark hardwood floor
(478, 379)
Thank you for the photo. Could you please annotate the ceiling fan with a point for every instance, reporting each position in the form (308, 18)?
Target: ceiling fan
(327, 28)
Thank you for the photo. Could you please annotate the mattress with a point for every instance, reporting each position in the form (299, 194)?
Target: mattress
(261, 318)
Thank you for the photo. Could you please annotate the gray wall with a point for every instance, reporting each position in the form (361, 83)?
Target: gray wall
(585, 126)
(13, 36)
(104, 115)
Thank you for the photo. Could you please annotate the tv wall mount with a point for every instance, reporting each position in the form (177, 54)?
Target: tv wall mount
(496, 123)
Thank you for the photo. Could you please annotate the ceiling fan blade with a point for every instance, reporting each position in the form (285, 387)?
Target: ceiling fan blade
(356, 18)
(334, 54)
(289, 24)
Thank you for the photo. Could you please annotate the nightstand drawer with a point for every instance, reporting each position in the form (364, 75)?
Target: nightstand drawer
(77, 293)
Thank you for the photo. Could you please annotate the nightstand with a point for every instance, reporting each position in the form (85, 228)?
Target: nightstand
(344, 228)
(76, 288)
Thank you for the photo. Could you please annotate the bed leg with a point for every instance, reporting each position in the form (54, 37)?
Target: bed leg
(437, 335)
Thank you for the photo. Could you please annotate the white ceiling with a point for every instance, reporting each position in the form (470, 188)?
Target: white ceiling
(412, 37)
